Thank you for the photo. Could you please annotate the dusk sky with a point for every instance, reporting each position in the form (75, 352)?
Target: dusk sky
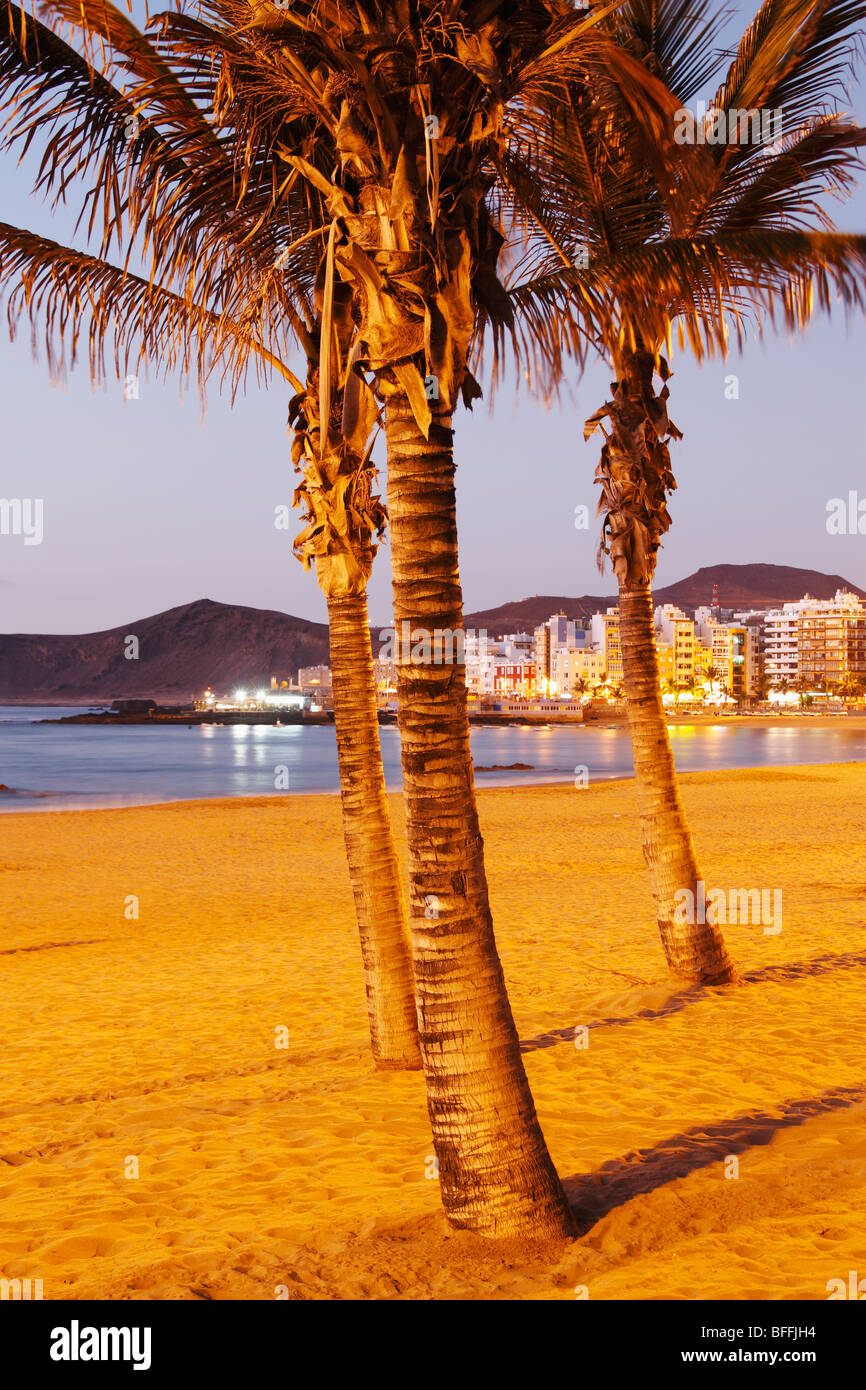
(146, 507)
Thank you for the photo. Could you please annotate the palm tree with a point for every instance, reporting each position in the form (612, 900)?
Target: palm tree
(849, 687)
(343, 514)
(240, 292)
(694, 239)
(396, 116)
(337, 101)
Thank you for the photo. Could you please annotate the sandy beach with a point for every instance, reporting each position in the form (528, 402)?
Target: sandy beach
(146, 1045)
(777, 721)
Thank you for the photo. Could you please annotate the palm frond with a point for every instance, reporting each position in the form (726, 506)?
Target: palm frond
(676, 40)
(796, 56)
(706, 291)
(70, 295)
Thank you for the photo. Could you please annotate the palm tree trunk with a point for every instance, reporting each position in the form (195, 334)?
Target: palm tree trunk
(695, 950)
(495, 1172)
(373, 867)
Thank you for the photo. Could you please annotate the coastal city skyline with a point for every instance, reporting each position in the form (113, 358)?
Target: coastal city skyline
(726, 634)
(784, 655)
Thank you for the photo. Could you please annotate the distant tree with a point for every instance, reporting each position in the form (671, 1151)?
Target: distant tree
(694, 242)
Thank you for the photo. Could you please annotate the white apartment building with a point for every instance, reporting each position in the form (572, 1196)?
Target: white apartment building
(816, 639)
(486, 659)
(781, 646)
(479, 652)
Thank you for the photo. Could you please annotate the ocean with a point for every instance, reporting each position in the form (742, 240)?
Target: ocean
(67, 767)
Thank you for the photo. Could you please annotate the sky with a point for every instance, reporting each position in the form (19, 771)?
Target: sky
(147, 504)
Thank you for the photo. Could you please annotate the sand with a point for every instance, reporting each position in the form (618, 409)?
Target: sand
(300, 1172)
(772, 721)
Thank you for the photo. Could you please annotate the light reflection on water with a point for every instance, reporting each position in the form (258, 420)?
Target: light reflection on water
(58, 767)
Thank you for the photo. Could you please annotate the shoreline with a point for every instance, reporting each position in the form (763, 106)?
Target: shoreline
(553, 782)
(775, 721)
(477, 719)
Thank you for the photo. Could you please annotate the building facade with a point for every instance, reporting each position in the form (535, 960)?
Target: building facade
(816, 641)
(604, 628)
(577, 669)
(677, 632)
(314, 678)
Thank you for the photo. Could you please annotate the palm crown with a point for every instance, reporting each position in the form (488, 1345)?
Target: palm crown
(630, 241)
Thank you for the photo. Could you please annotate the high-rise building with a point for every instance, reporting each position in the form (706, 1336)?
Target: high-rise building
(674, 629)
(605, 635)
(830, 641)
(559, 633)
(736, 664)
(781, 646)
(728, 653)
(542, 656)
(816, 640)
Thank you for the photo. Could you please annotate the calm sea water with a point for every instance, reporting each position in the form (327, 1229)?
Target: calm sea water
(62, 767)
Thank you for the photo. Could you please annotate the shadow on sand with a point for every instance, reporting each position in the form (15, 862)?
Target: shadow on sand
(796, 970)
(592, 1195)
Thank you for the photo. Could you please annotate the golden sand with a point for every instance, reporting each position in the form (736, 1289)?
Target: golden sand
(263, 1169)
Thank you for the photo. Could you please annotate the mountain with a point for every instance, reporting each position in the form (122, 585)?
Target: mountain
(180, 651)
(185, 649)
(740, 587)
(754, 586)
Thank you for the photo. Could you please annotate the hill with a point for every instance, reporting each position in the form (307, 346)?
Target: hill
(180, 652)
(740, 587)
